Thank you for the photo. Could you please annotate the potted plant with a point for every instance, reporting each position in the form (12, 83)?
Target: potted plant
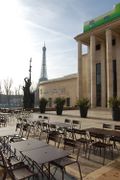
(59, 104)
(83, 105)
(114, 103)
(42, 104)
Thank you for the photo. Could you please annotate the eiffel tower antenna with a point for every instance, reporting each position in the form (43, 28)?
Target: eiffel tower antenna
(30, 69)
(43, 76)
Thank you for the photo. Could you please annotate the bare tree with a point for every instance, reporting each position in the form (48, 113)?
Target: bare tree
(0, 91)
(7, 87)
(33, 86)
(18, 90)
(0, 88)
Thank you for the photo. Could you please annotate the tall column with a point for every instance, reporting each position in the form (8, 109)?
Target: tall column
(109, 64)
(89, 75)
(103, 76)
(93, 70)
(79, 79)
(118, 64)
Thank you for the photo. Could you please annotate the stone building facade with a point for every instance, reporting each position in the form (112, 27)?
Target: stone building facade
(61, 87)
(98, 76)
(103, 59)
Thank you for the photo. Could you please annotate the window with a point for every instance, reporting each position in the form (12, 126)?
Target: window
(41, 91)
(98, 47)
(113, 42)
(106, 17)
(68, 101)
(114, 79)
(98, 84)
(91, 22)
(50, 102)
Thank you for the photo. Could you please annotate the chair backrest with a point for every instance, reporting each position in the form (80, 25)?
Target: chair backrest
(38, 123)
(117, 127)
(45, 117)
(4, 160)
(24, 120)
(97, 136)
(69, 142)
(45, 125)
(107, 126)
(7, 165)
(40, 116)
(76, 124)
(80, 132)
(77, 147)
(25, 130)
(52, 127)
(67, 121)
(54, 136)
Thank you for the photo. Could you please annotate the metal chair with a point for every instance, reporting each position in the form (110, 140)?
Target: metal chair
(107, 126)
(40, 117)
(100, 144)
(46, 118)
(19, 173)
(116, 139)
(44, 129)
(76, 124)
(67, 121)
(68, 142)
(3, 120)
(23, 134)
(83, 139)
(117, 127)
(54, 136)
(67, 161)
(52, 127)
(68, 130)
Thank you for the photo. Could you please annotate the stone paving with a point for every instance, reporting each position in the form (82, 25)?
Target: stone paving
(91, 169)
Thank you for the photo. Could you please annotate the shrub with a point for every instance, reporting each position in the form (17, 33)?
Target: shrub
(42, 104)
(83, 102)
(59, 102)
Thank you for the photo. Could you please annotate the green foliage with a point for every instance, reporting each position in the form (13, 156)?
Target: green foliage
(42, 104)
(83, 102)
(114, 102)
(59, 101)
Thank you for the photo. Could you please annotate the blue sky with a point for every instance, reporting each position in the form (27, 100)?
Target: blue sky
(27, 24)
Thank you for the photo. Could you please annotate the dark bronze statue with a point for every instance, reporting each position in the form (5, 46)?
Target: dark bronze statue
(28, 96)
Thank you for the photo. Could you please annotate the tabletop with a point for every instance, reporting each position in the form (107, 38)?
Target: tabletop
(105, 132)
(46, 154)
(60, 124)
(29, 144)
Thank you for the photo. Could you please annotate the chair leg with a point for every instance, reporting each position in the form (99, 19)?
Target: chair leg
(5, 175)
(86, 148)
(104, 156)
(89, 152)
(63, 174)
(112, 153)
(79, 170)
(40, 135)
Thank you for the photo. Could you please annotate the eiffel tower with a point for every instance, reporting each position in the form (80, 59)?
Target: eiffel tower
(43, 76)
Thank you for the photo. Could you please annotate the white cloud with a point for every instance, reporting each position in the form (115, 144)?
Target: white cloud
(26, 24)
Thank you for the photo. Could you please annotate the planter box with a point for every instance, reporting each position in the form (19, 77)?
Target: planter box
(83, 111)
(116, 114)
